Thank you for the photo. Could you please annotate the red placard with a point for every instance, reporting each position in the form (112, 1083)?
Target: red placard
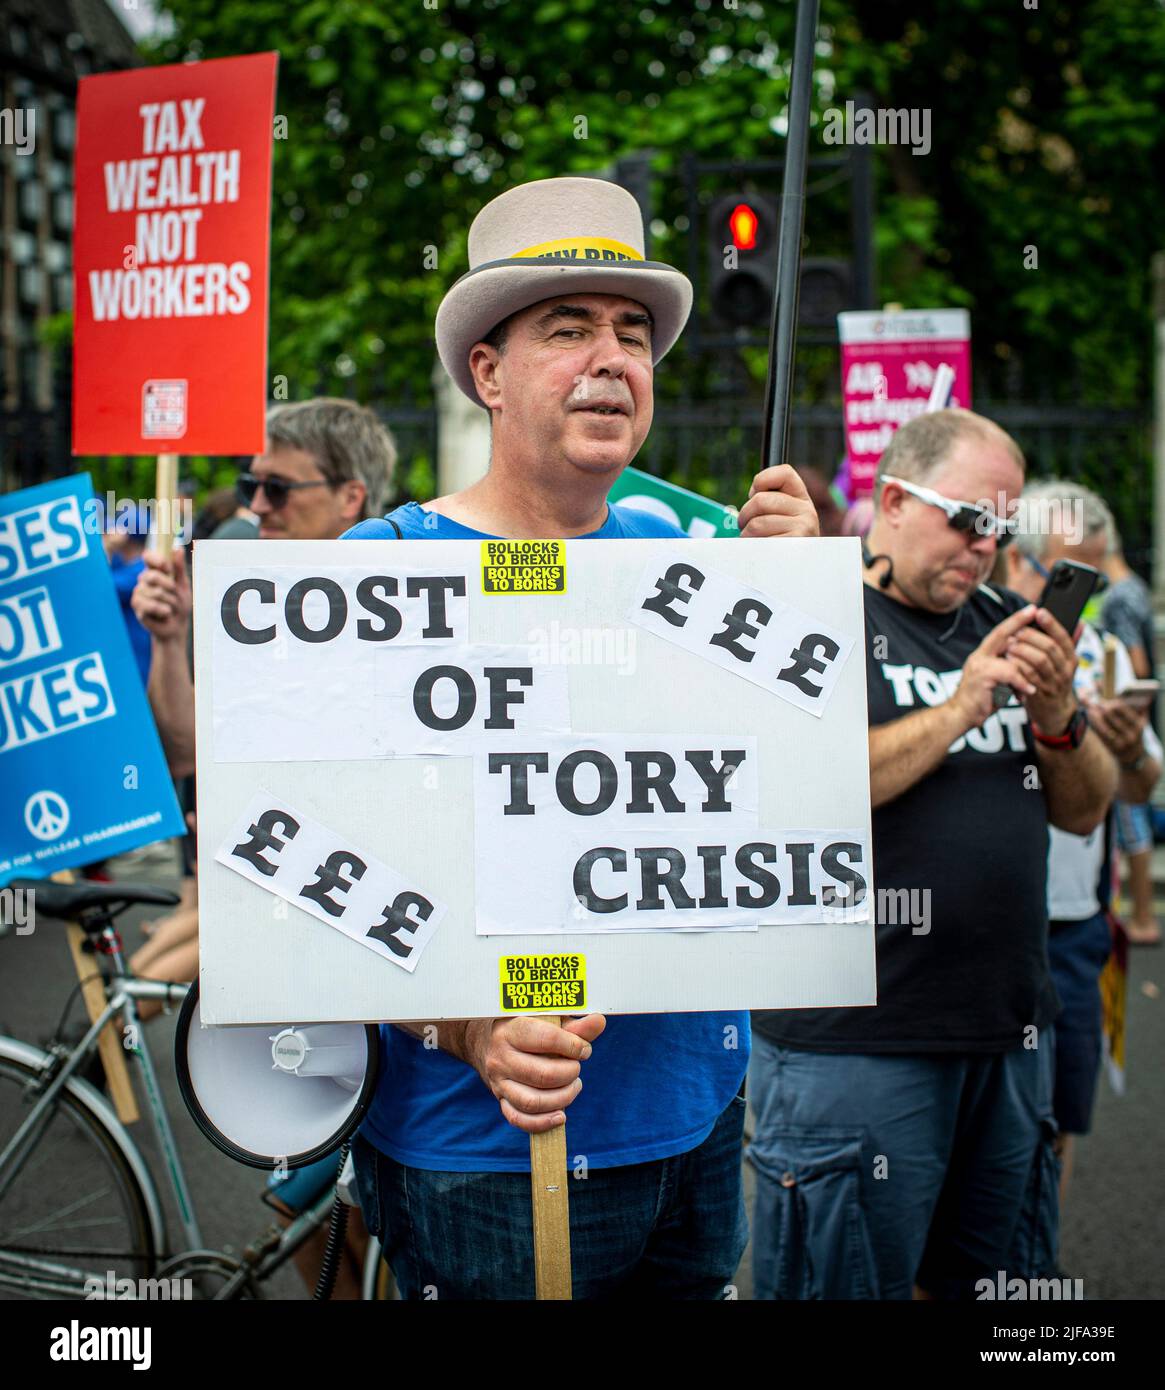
(171, 248)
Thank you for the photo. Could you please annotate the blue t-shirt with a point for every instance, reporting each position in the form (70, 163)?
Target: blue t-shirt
(654, 1084)
(125, 577)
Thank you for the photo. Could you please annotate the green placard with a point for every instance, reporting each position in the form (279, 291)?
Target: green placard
(699, 516)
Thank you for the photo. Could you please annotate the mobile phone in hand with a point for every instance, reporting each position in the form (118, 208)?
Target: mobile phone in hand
(1067, 590)
(1139, 694)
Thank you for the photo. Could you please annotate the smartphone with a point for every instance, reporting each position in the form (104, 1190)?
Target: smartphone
(1139, 694)
(1068, 589)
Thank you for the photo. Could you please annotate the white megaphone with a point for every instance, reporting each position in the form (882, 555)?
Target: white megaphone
(273, 1096)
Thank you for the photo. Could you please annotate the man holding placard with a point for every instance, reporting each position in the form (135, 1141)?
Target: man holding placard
(556, 330)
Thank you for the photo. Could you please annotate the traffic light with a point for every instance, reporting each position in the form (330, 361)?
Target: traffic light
(742, 259)
(826, 290)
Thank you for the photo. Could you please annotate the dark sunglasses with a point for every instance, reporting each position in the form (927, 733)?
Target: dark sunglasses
(962, 516)
(277, 489)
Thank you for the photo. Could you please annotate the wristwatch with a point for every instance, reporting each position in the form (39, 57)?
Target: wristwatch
(1073, 735)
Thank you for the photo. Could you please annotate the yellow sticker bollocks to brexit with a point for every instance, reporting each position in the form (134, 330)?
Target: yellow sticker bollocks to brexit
(523, 567)
(548, 983)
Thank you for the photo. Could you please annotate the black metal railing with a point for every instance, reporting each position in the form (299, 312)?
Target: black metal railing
(712, 446)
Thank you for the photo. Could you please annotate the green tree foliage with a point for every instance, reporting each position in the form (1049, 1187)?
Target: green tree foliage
(402, 119)
(1048, 132)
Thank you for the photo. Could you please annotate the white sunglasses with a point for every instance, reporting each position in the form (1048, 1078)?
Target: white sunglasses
(961, 516)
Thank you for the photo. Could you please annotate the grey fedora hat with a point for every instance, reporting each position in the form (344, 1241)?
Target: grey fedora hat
(549, 238)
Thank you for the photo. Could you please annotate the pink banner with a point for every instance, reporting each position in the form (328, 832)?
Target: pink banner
(888, 367)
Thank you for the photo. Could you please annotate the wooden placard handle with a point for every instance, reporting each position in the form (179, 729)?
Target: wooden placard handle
(108, 1041)
(550, 1196)
(165, 492)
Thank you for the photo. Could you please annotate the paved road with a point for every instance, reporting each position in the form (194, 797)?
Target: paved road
(1113, 1227)
(1113, 1222)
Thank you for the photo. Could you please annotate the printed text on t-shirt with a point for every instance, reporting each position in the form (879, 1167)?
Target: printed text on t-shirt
(915, 685)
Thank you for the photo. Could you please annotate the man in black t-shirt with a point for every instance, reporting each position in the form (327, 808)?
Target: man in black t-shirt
(906, 1147)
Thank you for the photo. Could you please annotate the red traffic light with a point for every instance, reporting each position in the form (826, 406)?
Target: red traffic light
(743, 222)
(742, 258)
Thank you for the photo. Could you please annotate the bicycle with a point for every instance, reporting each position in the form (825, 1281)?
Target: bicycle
(103, 1217)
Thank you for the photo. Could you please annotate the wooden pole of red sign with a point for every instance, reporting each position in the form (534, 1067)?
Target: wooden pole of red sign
(109, 1043)
(165, 497)
(549, 1194)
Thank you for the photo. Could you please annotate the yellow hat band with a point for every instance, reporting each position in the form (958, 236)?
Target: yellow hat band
(580, 249)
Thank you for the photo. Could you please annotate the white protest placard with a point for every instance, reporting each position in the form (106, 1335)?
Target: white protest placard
(324, 875)
(359, 666)
(791, 653)
(572, 803)
(594, 813)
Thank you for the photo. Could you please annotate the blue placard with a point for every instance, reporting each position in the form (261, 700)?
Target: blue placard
(82, 773)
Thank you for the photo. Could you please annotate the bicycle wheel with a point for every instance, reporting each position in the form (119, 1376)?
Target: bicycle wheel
(74, 1217)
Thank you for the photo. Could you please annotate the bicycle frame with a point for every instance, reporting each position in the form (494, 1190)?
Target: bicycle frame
(122, 993)
(273, 1249)
(262, 1256)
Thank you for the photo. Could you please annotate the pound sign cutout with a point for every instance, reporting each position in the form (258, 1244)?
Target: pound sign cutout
(262, 838)
(805, 660)
(396, 919)
(669, 590)
(329, 877)
(736, 626)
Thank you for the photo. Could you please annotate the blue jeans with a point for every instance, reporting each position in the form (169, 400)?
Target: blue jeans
(675, 1228)
(1077, 953)
(874, 1173)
